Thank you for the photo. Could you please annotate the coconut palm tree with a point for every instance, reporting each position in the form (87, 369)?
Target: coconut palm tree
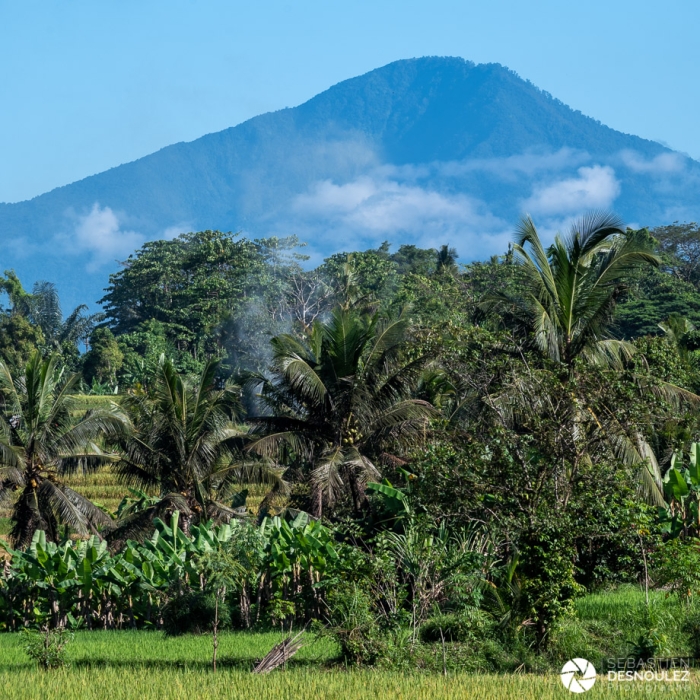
(446, 260)
(564, 309)
(183, 446)
(565, 306)
(40, 442)
(338, 399)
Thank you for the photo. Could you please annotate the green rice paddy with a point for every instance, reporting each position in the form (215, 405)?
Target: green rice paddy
(145, 665)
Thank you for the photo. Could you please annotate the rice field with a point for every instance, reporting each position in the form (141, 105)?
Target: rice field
(145, 665)
(103, 489)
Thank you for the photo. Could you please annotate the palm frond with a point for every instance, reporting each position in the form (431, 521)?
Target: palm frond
(326, 475)
(139, 525)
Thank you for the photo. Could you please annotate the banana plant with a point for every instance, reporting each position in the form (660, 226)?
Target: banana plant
(681, 513)
(396, 502)
(82, 582)
(304, 543)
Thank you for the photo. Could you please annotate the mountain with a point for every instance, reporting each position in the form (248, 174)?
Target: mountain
(429, 150)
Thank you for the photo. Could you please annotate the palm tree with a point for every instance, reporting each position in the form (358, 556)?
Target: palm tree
(44, 308)
(339, 398)
(566, 304)
(40, 442)
(446, 260)
(184, 446)
(564, 309)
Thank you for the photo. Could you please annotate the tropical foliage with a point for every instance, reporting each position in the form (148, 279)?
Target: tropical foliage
(183, 445)
(398, 449)
(280, 570)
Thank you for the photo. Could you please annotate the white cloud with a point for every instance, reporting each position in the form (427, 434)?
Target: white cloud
(509, 168)
(522, 164)
(595, 187)
(373, 208)
(660, 165)
(99, 233)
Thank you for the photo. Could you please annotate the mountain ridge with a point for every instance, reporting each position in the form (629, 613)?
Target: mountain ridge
(465, 146)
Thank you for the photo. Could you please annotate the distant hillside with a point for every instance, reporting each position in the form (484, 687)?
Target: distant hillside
(429, 150)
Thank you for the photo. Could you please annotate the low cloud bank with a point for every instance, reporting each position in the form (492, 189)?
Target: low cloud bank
(453, 202)
(472, 204)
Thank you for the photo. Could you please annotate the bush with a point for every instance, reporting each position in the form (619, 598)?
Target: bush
(691, 627)
(468, 625)
(48, 646)
(572, 637)
(353, 624)
(677, 566)
(193, 613)
(547, 576)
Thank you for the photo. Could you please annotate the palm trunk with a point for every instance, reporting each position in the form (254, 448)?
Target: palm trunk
(317, 502)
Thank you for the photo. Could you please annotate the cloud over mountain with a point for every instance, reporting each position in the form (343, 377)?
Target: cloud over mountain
(100, 235)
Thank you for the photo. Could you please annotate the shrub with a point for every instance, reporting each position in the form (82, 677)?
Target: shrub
(677, 566)
(572, 637)
(691, 627)
(468, 625)
(48, 646)
(650, 641)
(193, 613)
(353, 624)
(546, 572)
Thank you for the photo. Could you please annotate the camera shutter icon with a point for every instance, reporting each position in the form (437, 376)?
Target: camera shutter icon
(578, 675)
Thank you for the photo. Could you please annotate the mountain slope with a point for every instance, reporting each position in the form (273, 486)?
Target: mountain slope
(426, 150)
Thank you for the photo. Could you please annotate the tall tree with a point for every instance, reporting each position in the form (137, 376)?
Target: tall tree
(339, 399)
(446, 260)
(566, 302)
(40, 441)
(19, 299)
(44, 310)
(564, 309)
(184, 446)
(679, 243)
(104, 359)
(188, 284)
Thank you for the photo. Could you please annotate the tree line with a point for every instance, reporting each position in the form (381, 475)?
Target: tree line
(543, 399)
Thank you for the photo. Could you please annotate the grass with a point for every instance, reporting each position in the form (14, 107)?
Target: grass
(621, 603)
(617, 617)
(145, 665)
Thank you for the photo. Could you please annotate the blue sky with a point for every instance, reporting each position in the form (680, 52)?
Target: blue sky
(85, 86)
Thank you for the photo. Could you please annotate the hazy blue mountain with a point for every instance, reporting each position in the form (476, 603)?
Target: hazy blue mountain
(429, 150)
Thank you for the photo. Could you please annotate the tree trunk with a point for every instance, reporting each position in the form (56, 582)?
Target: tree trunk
(317, 502)
(216, 629)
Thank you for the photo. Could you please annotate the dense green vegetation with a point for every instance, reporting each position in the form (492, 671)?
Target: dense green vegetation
(486, 468)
